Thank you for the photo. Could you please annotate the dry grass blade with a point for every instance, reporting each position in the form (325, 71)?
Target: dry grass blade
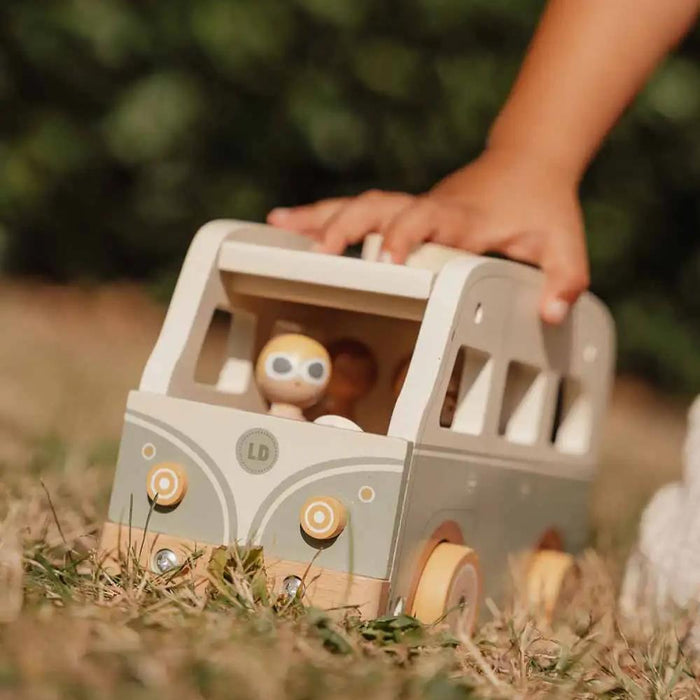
(11, 568)
(482, 664)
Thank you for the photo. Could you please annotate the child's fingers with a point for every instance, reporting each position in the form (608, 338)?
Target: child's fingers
(566, 277)
(431, 219)
(306, 218)
(367, 213)
(467, 228)
(409, 228)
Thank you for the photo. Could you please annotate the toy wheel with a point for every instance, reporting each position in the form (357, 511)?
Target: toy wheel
(544, 579)
(449, 588)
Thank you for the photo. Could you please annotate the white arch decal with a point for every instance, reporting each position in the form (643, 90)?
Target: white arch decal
(196, 459)
(315, 477)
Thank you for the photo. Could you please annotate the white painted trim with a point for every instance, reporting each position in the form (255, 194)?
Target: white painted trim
(325, 270)
(197, 294)
(434, 340)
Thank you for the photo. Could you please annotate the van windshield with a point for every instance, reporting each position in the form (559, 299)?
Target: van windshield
(370, 338)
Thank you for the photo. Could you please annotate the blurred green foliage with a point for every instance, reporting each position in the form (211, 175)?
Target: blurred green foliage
(125, 125)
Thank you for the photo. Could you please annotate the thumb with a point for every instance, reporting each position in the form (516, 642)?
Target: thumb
(566, 278)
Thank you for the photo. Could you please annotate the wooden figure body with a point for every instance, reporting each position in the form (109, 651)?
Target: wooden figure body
(353, 376)
(418, 511)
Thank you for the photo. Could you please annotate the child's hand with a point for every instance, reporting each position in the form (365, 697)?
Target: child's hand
(504, 202)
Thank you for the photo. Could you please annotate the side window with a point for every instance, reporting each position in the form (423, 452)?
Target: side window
(524, 403)
(212, 354)
(573, 419)
(464, 406)
(524, 398)
(538, 408)
(225, 358)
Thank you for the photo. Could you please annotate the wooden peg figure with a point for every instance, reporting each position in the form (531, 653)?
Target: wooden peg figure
(292, 372)
(354, 375)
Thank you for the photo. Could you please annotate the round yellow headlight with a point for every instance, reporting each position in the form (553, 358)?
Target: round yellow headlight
(323, 517)
(168, 482)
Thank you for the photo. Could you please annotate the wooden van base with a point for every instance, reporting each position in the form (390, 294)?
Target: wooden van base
(120, 544)
(323, 588)
(333, 590)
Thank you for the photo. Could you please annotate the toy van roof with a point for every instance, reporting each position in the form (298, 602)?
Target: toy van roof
(233, 265)
(267, 262)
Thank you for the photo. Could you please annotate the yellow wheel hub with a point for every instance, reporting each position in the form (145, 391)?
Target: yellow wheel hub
(544, 580)
(449, 588)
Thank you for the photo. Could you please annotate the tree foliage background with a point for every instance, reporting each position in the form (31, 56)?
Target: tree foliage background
(125, 125)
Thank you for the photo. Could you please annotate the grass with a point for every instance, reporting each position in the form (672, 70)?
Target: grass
(82, 633)
(72, 631)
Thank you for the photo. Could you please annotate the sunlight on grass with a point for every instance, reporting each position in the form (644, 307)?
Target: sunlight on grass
(71, 629)
(87, 633)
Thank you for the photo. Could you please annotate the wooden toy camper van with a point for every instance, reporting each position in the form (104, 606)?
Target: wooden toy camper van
(476, 436)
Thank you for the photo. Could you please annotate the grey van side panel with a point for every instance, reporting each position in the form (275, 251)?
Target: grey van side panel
(499, 509)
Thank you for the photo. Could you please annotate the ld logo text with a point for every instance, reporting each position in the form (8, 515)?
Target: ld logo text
(257, 450)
